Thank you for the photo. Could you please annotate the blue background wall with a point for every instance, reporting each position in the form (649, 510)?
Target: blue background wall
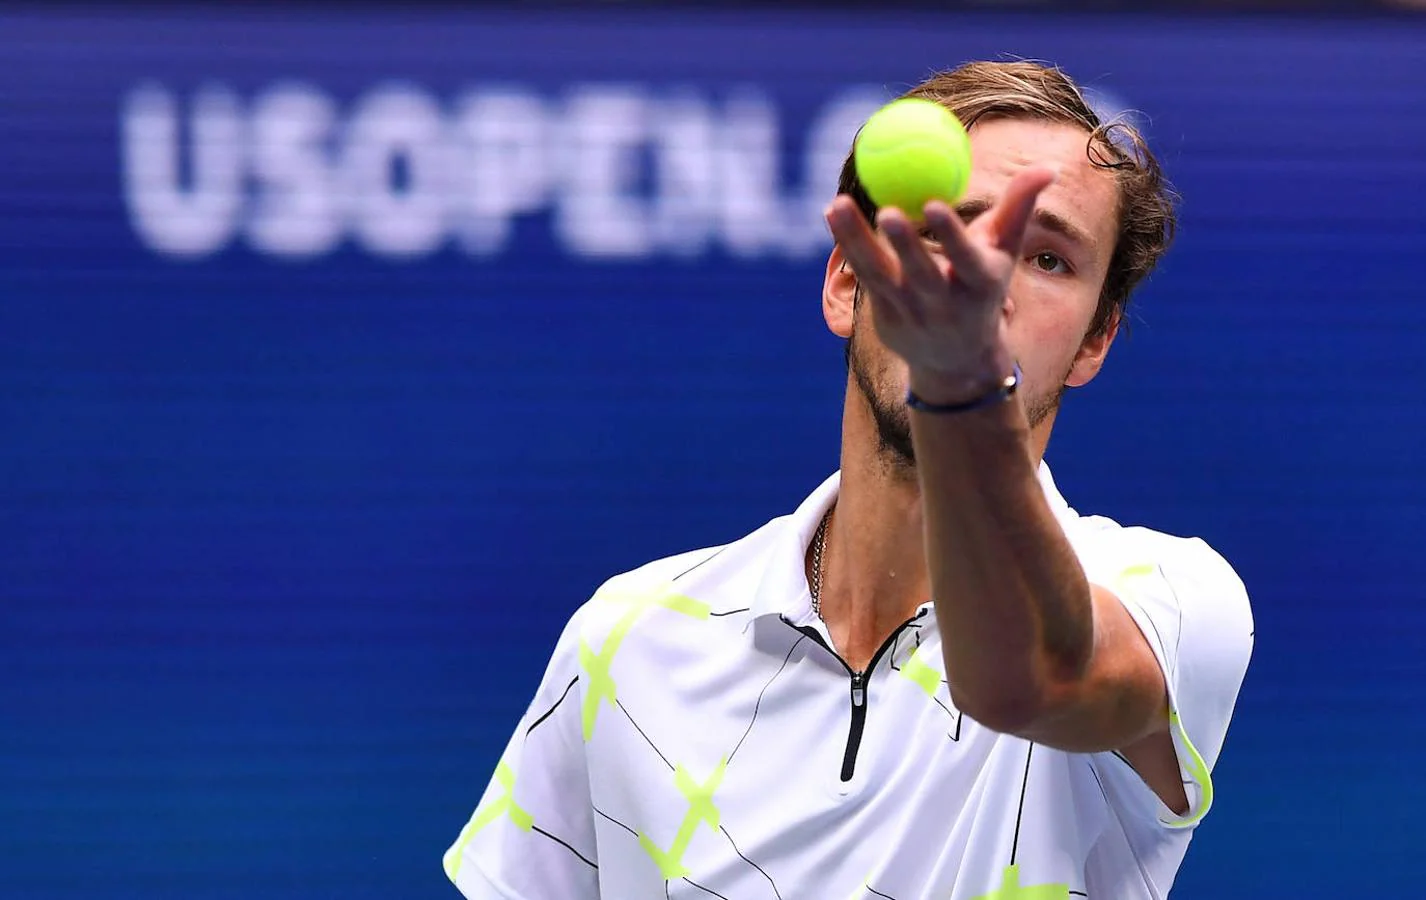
(293, 508)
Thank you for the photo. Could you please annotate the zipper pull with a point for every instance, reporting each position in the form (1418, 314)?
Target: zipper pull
(858, 694)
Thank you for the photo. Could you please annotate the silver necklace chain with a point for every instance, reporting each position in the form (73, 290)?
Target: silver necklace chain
(819, 543)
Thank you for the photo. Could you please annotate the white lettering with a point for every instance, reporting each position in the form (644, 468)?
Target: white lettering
(294, 212)
(685, 201)
(748, 158)
(617, 172)
(175, 220)
(395, 172)
(598, 215)
(504, 165)
(829, 140)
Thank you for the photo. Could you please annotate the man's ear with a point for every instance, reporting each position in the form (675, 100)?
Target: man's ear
(1092, 351)
(839, 288)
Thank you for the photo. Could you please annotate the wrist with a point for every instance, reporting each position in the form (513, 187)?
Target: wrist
(964, 385)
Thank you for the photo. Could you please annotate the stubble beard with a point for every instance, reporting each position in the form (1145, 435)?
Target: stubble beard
(893, 423)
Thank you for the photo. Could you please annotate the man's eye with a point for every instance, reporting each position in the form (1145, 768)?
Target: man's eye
(1049, 262)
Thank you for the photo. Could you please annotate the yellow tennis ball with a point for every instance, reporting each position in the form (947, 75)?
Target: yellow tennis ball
(911, 151)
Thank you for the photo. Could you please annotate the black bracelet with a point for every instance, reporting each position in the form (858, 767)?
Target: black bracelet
(1003, 392)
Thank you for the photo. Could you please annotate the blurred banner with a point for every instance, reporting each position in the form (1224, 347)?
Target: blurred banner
(635, 172)
(346, 352)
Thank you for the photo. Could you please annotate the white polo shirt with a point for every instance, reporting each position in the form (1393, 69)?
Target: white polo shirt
(695, 737)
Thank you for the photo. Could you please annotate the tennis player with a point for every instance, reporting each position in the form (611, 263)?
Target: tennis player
(933, 680)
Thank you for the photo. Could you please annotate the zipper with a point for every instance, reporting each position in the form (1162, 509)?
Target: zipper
(857, 725)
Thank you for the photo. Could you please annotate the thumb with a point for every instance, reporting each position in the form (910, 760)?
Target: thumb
(1012, 215)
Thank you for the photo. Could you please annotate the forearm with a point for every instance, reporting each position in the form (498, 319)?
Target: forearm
(1014, 607)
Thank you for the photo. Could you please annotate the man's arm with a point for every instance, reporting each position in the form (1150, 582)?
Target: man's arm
(1031, 647)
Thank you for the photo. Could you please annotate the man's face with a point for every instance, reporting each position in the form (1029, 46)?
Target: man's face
(1054, 291)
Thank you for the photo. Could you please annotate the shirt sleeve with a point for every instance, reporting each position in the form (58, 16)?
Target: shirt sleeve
(532, 835)
(1193, 610)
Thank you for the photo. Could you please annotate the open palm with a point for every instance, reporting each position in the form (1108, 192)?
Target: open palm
(942, 312)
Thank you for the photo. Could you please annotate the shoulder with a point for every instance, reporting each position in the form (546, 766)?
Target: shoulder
(707, 582)
(1114, 555)
(1192, 608)
(649, 584)
(1190, 605)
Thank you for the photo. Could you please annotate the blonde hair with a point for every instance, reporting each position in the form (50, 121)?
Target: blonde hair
(983, 91)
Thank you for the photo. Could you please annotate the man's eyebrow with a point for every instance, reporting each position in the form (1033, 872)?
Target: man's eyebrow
(970, 209)
(1044, 218)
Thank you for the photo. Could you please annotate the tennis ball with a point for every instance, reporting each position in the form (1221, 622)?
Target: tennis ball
(911, 151)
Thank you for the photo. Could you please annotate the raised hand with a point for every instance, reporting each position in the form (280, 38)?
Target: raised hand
(939, 293)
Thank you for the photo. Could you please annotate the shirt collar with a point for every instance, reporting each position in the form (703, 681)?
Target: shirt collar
(1058, 505)
(783, 587)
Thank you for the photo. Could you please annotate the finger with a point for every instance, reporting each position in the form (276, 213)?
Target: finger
(968, 262)
(1012, 215)
(866, 252)
(920, 272)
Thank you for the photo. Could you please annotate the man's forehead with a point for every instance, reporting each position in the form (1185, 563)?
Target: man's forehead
(1084, 196)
